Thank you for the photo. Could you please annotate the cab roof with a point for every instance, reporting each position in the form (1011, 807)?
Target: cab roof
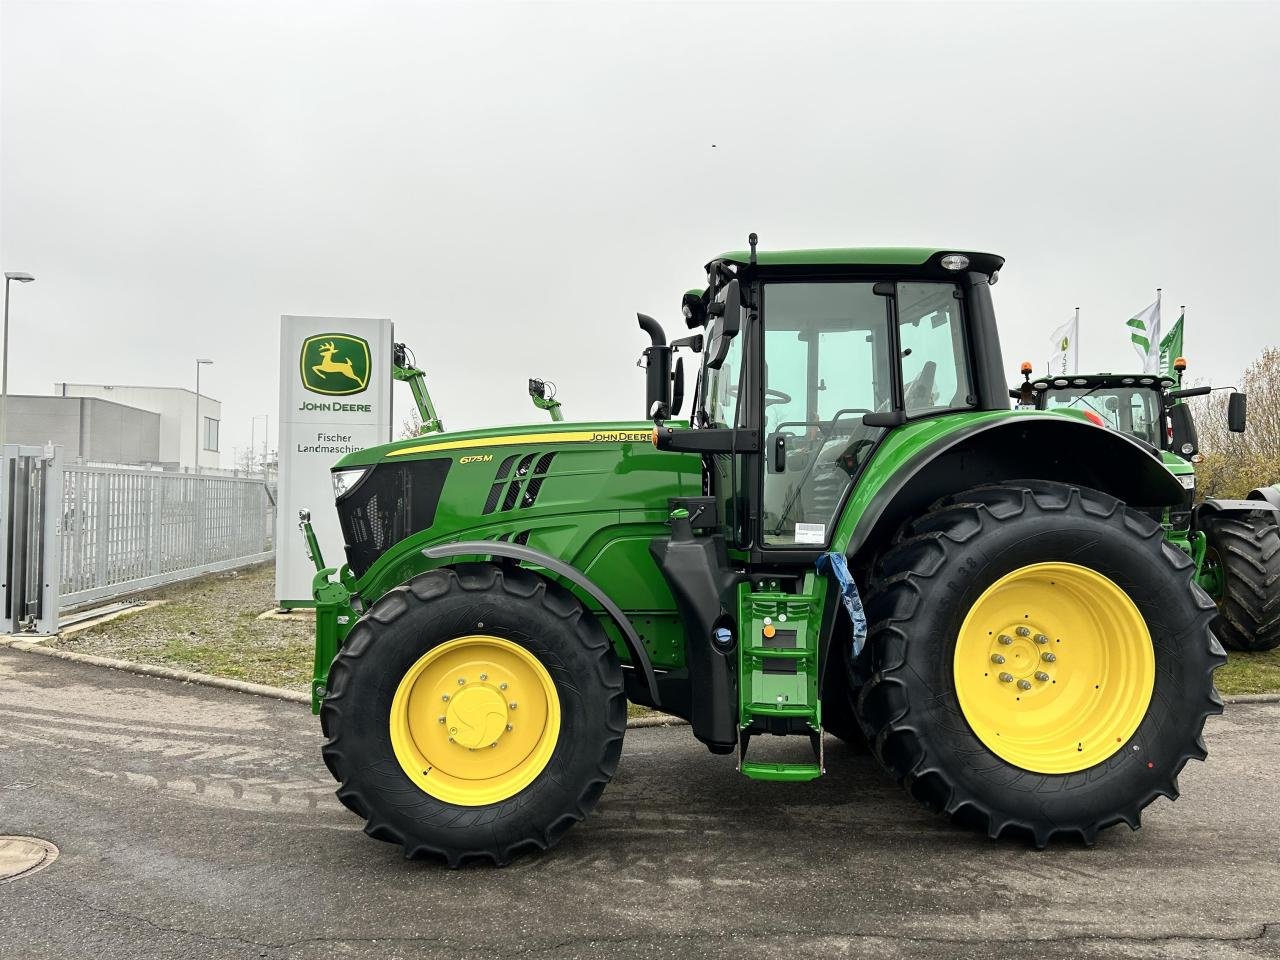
(926, 259)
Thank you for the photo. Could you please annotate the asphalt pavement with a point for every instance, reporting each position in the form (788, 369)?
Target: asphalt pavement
(201, 823)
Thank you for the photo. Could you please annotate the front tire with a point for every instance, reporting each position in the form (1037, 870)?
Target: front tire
(964, 708)
(474, 712)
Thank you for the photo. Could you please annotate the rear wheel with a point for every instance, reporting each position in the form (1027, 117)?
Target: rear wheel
(1242, 574)
(1039, 661)
(475, 712)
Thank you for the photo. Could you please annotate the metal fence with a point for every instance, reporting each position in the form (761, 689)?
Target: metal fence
(112, 531)
(125, 530)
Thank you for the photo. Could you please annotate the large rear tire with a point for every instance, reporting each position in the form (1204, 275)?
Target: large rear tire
(475, 712)
(1244, 551)
(1039, 662)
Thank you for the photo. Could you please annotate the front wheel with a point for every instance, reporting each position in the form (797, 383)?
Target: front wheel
(1039, 661)
(474, 712)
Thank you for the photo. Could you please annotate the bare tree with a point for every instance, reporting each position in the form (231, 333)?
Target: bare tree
(1235, 463)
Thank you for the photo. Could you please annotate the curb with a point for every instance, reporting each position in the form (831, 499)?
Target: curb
(279, 693)
(223, 683)
(165, 673)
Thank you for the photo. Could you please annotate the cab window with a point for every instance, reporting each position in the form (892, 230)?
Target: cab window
(935, 368)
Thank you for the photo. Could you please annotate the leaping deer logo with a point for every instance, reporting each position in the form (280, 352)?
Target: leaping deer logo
(335, 364)
(329, 365)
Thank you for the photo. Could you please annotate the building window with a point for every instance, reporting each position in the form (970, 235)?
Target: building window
(211, 434)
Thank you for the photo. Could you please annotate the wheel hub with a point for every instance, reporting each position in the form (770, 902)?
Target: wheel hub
(477, 715)
(1019, 650)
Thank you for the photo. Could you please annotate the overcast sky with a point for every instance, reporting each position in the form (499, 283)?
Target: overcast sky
(511, 183)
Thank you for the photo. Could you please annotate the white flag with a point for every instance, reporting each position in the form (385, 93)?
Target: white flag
(1062, 362)
(1145, 335)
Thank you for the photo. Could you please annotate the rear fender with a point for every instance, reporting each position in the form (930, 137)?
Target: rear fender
(1025, 446)
(1251, 506)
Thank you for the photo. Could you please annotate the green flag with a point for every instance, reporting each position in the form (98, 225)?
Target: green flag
(1171, 347)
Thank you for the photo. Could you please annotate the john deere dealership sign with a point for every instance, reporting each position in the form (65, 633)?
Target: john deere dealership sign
(335, 397)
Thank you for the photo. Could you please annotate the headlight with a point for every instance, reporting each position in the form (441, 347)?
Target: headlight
(1188, 481)
(345, 480)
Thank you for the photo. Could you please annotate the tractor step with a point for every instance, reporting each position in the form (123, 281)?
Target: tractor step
(778, 669)
(786, 772)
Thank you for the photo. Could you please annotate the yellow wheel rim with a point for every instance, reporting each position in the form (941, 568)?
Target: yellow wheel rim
(475, 720)
(1054, 668)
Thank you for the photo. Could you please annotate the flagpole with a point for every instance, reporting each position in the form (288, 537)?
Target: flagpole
(1075, 345)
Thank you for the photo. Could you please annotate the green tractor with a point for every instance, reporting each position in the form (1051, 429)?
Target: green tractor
(852, 533)
(1235, 543)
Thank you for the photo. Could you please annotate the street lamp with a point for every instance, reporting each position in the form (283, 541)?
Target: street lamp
(4, 377)
(199, 364)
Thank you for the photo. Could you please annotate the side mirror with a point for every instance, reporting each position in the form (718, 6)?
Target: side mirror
(1185, 440)
(1236, 407)
(695, 312)
(726, 321)
(677, 387)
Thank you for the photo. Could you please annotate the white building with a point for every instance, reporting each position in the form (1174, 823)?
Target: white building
(177, 409)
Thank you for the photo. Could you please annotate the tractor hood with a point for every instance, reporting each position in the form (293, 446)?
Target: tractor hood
(551, 486)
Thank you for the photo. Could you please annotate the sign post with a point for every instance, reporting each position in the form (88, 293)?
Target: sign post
(335, 397)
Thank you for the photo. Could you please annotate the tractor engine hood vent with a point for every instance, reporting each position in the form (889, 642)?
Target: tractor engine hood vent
(518, 482)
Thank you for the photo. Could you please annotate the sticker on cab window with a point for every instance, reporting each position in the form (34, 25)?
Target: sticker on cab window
(811, 533)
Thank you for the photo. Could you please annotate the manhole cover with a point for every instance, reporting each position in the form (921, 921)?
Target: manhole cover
(22, 856)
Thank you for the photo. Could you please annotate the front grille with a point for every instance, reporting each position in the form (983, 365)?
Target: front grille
(391, 502)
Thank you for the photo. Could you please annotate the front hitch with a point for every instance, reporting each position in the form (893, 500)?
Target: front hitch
(335, 614)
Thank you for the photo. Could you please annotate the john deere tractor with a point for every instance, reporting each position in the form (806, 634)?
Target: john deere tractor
(1235, 543)
(852, 533)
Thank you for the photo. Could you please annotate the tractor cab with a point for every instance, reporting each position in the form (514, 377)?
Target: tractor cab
(812, 358)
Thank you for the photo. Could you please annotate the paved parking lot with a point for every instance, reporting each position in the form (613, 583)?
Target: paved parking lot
(200, 823)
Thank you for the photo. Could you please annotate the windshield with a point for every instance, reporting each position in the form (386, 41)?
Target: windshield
(1131, 410)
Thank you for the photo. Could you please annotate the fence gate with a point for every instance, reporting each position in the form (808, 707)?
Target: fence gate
(30, 536)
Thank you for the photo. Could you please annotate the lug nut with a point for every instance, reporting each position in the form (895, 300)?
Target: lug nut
(502, 686)
(440, 720)
(1023, 631)
(997, 658)
(1005, 639)
(511, 705)
(1048, 657)
(484, 676)
(494, 744)
(510, 727)
(1042, 676)
(1024, 684)
(1006, 678)
(445, 698)
(1041, 638)
(462, 681)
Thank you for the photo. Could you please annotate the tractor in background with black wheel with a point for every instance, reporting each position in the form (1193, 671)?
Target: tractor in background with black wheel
(851, 532)
(1235, 543)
